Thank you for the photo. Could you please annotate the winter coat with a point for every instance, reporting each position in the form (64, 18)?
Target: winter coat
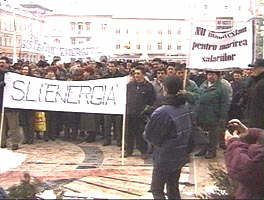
(169, 131)
(213, 105)
(139, 95)
(2, 84)
(193, 92)
(109, 74)
(245, 164)
(255, 108)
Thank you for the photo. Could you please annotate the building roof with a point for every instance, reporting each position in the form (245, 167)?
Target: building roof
(35, 6)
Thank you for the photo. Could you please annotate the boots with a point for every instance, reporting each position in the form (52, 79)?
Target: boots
(202, 152)
(14, 147)
(210, 155)
(107, 142)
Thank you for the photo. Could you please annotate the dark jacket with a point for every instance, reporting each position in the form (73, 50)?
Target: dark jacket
(113, 75)
(2, 84)
(255, 108)
(245, 164)
(213, 104)
(139, 95)
(239, 100)
(169, 131)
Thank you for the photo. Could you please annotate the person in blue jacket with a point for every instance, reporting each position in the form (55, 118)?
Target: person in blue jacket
(169, 131)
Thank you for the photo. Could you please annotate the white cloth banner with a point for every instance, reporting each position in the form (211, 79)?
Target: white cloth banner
(41, 45)
(221, 50)
(94, 96)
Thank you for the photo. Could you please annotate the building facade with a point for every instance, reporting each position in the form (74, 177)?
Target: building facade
(118, 37)
(16, 23)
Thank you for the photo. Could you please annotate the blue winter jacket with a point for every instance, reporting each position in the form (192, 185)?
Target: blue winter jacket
(169, 130)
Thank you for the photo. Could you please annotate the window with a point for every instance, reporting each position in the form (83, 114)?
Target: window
(179, 31)
(10, 26)
(0, 25)
(160, 32)
(205, 6)
(169, 32)
(118, 46)
(57, 41)
(104, 27)
(80, 26)
(5, 42)
(5, 26)
(73, 26)
(88, 26)
(159, 45)
(149, 31)
(118, 31)
(179, 47)
(127, 31)
(149, 47)
(0, 41)
(169, 47)
(138, 46)
(9, 42)
(73, 41)
(226, 7)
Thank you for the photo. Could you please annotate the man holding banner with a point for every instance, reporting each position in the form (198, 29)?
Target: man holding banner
(9, 119)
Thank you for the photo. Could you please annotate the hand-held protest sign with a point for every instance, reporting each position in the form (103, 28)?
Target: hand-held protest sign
(221, 50)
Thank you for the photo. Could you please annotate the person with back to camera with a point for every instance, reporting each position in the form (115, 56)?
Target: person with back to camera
(244, 159)
(169, 132)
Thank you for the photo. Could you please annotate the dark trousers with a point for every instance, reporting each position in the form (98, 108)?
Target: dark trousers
(213, 134)
(171, 179)
(28, 129)
(134, 133)
(116, 122)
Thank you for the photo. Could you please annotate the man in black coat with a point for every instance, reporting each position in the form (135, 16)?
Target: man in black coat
(140, 93)
(255, 108)
(169, 131)
(112, 120)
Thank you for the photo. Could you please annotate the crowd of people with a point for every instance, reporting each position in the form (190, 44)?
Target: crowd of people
(144, 89)
(215, 96)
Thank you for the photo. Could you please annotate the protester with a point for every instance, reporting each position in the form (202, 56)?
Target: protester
(244, 158)
(26, 116)
(212, 111)
(238, 103)
(191, 90)
(140, 93)
(169, 130)
(3, 69)
(11, 116)
(114, 121)
(255, 108)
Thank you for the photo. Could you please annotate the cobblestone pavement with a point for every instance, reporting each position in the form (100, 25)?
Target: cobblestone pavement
(90, 168)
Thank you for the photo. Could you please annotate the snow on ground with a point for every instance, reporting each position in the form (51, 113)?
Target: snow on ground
(10, 159)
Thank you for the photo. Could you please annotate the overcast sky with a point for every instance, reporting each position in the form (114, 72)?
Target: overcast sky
(142, 8)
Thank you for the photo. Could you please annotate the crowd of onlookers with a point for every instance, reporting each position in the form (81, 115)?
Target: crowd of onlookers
(215, 97)
(88, 126)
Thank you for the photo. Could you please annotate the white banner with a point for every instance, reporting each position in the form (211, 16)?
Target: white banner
(221, 50)
(94, 96)
(41, 46)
